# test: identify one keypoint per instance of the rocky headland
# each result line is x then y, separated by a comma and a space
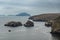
44, 17
56, 25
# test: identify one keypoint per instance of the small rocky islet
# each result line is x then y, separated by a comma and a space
29, 24
13, 24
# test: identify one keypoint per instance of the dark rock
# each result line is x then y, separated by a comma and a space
6, 25
48, 24
29, 24
55, 36
9, 30
55, 32
19, 23
13, 24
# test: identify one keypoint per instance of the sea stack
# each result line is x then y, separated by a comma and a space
13, 24
29, 24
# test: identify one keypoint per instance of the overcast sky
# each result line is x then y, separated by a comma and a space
32, 7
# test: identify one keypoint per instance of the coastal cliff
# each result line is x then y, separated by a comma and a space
56, 25
44, 17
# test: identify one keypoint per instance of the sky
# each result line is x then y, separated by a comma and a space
33, 7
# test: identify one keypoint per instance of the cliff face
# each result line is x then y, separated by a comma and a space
45, 17
56, 25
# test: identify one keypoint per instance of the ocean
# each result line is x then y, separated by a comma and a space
38, 32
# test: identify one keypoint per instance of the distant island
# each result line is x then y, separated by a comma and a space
44, 17
23, 14
19, 14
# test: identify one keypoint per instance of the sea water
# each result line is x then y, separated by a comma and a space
38, 32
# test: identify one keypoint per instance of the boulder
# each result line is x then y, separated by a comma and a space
13, 24
29, 24
48, 24
9, 30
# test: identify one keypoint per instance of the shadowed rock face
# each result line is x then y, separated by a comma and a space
29, 24
13, 24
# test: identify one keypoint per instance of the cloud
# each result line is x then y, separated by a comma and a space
31, 6
29, 2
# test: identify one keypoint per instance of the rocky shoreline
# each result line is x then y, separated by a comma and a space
53, 20
44, 17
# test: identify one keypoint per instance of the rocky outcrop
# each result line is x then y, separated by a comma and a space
13, 24
29, 24
48, 24
44, 17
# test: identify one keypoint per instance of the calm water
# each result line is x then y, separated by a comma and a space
38, 32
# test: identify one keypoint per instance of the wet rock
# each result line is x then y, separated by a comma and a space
29, 24
13, 24
9, 30
48, 24
19, 23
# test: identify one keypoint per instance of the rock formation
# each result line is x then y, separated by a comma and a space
29, 24
48, 24
56, 26
13, 24
44, 17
